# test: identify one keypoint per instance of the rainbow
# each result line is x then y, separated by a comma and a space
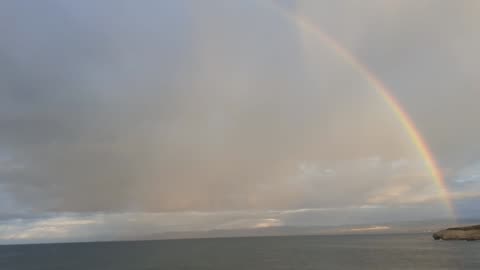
383, 91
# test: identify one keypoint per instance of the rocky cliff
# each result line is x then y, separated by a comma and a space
470, 233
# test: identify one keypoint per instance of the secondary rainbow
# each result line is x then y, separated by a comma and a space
382, 90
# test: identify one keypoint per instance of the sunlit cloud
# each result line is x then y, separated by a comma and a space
370, 229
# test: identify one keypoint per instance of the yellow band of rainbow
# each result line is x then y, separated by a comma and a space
382, 90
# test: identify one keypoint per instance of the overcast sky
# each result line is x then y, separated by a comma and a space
129, 118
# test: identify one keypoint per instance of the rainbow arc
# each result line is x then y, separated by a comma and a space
382, 90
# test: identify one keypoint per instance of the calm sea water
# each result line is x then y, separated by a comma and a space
299, 252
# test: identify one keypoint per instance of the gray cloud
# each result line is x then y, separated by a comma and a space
178, 106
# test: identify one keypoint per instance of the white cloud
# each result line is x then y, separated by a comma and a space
56, 228
369, 229
268, 222
469, 174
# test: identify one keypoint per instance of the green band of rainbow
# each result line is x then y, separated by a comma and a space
382, 90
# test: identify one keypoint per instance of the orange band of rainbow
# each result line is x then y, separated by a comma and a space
405, 120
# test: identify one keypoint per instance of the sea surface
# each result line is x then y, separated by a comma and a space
295, 252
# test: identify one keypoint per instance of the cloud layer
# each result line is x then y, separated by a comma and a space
174, 107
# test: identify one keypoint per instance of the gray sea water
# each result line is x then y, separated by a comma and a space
297, 252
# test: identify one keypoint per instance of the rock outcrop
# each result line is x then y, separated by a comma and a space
469, 233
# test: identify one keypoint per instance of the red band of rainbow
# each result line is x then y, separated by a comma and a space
412, 131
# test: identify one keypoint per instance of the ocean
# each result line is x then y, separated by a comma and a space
295, 252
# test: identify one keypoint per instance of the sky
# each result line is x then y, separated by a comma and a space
123, 119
